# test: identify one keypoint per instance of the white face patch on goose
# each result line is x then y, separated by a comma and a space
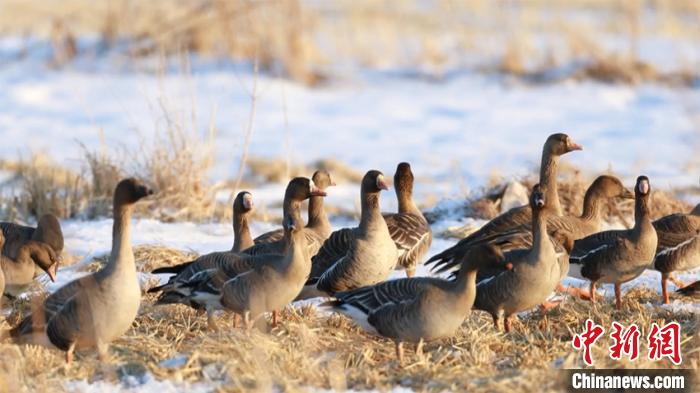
380, 182
247, 201
644, 187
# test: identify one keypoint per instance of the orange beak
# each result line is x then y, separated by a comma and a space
315, 191
51, 271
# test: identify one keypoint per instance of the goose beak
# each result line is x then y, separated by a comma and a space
382, 184
509, 266
51, 272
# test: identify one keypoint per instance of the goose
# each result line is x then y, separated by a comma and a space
317, 223
555, 146
316, 232
371, 253
19, 271
618, 256
48, 230
242, 209
678, 248
408, 228
298, 189
96, 309
535, 272
418, 309
272, 285
565, 229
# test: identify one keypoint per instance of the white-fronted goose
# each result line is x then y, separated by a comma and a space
317, 220
242, 209
19, 271
563, 229
555, 146
678, 248
408, 228
421, 308
298, 189
48, 230
96, 309
618, 256
371, 254
272, 285
534, 276
315, 233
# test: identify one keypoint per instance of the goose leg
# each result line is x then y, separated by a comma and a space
246, 320
592, 290
274, 318
506, 323
549, 304
399, 352
678, 283
495, 320
69, 353
236, 320
103, 352
574, 291
618, 296
664, 288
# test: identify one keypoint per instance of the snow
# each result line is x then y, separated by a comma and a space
456, 134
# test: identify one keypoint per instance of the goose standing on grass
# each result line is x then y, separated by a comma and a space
421, 308
370, 255
565, 229
317, 230
408, 228
618, 256
318, 224
298, 190
555, 146
242, 209
535, 272
271, 286
678, 248
96, 309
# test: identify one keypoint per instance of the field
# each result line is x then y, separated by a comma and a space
202, 99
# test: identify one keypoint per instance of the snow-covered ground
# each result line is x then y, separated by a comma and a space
456, 134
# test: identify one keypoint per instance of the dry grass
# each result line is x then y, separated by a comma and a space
311, 348
305, 39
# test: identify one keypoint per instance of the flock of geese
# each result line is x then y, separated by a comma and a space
512, 264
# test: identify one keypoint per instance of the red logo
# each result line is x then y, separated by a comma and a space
586, 339
625, 341
665, 342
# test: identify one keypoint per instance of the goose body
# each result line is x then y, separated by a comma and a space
535, 273
516, 218
271, 285
678, 247
618, 256
415, 309
371, 254
96, 309
19, 271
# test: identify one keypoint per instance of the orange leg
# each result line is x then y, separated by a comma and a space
592, 291
495, 320
548, 305
236, 320
618, 296
274, 318
664, 288
506, 323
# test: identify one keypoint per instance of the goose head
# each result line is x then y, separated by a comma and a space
322, 179
374, 182
560, 144
301, 188
130, 191
537, 200
643, 187
403, 179
48, 230
42, 255
243, 203
611, 187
